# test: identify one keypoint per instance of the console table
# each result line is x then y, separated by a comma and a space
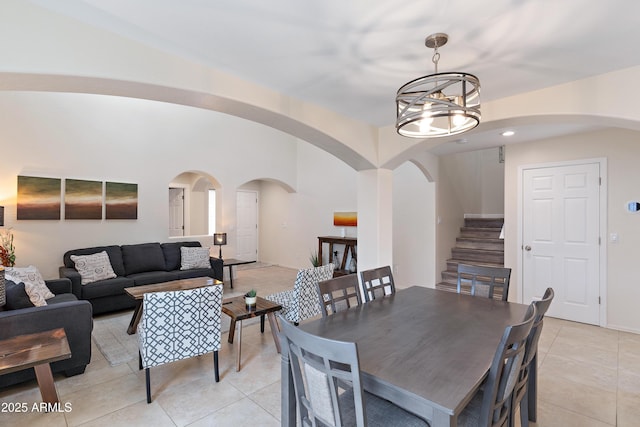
349, 243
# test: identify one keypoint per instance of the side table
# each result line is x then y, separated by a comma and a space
230, 263
36, 351
239, 311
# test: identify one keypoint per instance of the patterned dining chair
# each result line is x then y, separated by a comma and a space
328, 387
377, 282
339, 293
490, 407
527, 381
301, 302
178, 325
484, 280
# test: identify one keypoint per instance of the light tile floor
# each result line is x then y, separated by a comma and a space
588, 376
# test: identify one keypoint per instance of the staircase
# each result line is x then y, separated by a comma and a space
479, 243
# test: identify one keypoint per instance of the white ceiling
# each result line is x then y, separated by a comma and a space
351, 56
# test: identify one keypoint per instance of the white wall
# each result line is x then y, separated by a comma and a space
413, 227
118, 139
622, 151
290, 223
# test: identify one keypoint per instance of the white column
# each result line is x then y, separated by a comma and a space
375, 226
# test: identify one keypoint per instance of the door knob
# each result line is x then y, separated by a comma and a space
527, 248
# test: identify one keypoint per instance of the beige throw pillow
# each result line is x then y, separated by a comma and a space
194, 258
93, 267
34, 284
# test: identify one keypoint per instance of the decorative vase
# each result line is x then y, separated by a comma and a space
352, 265
250, 301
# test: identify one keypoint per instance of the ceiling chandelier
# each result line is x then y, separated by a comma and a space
439, 104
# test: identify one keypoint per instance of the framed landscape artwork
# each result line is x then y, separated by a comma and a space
82, 199
38, 198
345, 219
121, 200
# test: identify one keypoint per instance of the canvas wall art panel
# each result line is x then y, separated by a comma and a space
121, 200
345, 219
82, 199
39, 198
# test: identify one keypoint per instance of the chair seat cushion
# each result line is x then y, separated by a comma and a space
470, 415
380, 412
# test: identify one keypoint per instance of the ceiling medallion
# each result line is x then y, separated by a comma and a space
439, 104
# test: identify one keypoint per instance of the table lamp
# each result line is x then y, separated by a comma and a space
220, 239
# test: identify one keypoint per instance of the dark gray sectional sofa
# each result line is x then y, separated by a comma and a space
64, 310
134, 265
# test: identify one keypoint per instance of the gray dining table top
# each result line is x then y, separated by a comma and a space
424, 349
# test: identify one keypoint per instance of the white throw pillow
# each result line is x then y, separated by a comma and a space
34, 284
93, 267
194, 258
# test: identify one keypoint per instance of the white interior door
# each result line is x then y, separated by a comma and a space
176, 212
247, 223
560, 239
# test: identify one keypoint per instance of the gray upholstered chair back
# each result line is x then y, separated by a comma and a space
484, 281
320, 368
377, 283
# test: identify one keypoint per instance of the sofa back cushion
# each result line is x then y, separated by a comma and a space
142, 258
172, 257
114, 252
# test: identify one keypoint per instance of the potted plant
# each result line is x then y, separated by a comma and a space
250, 297
313, 258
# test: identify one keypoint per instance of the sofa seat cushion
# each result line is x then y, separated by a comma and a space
190, 274
171, 251
150, 277
61, 298
142, 258
106, 288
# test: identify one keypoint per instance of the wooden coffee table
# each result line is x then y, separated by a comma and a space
137, 293
238, 311
36, 351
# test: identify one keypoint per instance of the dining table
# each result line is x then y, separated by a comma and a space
425, 350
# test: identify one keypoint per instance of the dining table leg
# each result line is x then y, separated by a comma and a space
442, 419
135, 319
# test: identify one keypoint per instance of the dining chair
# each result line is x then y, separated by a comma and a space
328, 387
177, 325
527, 383
484, 280
301, 302
339, 293
490, 407
377, 282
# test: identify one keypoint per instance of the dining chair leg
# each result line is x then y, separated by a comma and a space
215, 366
524, 410
148, 381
